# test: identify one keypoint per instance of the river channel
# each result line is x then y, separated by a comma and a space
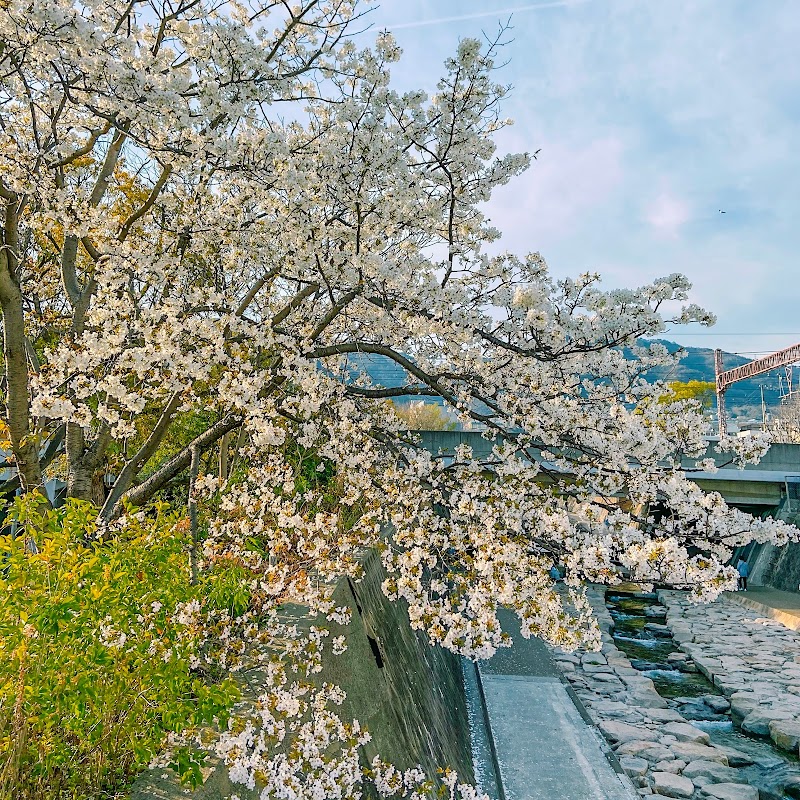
639, 631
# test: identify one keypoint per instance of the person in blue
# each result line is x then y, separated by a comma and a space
743, 568
555, 574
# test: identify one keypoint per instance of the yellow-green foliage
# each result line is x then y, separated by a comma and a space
422, 416
702, 391
94, 664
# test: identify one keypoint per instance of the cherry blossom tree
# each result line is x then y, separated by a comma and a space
210, 209
174, 245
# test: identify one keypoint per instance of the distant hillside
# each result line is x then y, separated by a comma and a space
742, 399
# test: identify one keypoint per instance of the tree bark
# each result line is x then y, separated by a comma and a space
142, 456
79, 478
83, 456
18, 407
99, 491
142, 493
83, 461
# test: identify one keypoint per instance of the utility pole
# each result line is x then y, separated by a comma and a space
781, 358
723, 426
763, 410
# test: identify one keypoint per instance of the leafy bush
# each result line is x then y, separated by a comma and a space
105, 648
422, 416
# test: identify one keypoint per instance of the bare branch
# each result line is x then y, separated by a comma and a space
126, 226
142, 493
141, 457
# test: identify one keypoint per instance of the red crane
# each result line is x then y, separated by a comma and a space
725, 379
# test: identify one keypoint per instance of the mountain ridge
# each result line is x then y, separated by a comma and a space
743, 399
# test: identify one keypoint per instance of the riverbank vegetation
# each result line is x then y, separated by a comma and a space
106, 647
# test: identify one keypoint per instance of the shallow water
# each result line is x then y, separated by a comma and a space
651, 650
672, 683
771, 768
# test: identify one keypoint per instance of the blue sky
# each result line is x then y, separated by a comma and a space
651, 116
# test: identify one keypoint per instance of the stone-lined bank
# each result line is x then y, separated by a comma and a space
663, 753
753, 661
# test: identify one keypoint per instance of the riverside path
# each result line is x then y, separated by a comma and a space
781, 606
544, 745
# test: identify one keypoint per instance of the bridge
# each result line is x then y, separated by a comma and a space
726, 378
763, 488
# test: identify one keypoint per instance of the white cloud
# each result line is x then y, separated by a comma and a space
651, 117
667, 214
502, 14
559, 192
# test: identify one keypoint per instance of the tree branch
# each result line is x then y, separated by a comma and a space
297, 300
126, 226
142, 493
141, 457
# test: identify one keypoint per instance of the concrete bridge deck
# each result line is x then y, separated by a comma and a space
758, 487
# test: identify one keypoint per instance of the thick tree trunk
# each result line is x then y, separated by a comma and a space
99, 490
83, 462
79, 482
84, 482
79, 478
18, 407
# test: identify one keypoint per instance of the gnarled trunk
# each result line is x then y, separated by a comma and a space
18, 406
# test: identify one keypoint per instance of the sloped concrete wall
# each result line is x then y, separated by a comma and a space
760, 562
408, 694
780, 567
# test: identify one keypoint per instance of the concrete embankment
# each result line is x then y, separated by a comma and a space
408, 694
784, 607
544, 747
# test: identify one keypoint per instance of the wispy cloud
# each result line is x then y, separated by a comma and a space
500, 12
667, 214
651, 117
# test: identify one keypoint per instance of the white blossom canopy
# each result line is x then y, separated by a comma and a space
213, 208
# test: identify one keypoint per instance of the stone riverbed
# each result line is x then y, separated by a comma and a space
697, 701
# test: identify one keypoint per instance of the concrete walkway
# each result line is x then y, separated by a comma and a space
773, 603
545, 748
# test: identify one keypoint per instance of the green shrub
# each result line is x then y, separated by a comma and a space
105, 648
